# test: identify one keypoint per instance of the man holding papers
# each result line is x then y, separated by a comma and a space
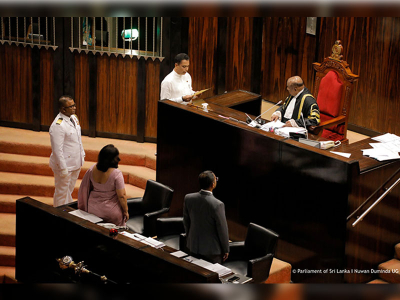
177, 85
299, 102
205, 222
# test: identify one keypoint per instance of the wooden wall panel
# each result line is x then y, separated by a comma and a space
371, 47
152, 96
116, 95
286, 51
82, 89
238, 53
203, 34
46, 87
16, 84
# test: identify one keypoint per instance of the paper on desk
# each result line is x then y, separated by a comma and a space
220, 269
272, 124
179, 254
202, 263
342, 154
285, 131
388, 137
85, 215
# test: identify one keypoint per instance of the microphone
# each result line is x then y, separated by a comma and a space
305, 127
280, 101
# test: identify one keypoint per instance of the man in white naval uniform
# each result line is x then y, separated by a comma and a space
67, 155
177, 85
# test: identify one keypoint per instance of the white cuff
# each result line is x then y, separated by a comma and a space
293, 123
278, 114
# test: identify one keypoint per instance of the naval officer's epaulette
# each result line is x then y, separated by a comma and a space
59, 121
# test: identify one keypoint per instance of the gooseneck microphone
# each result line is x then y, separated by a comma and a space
305, 127
280, 101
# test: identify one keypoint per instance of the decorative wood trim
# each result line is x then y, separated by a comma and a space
92, 94
141, 100
256, 55
36, 105
221, 55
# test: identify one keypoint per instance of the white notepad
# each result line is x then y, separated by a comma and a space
85, 215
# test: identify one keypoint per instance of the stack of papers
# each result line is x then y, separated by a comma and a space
145, 240
220, 269
85, 215
270, 126
285, 131
387, 149
179, 254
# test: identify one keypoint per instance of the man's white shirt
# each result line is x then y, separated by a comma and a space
175, 86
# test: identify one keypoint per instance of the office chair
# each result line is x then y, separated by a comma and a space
253, 257
169, 230
143, 212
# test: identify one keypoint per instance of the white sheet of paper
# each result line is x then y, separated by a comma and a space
85, 215
179, 254
342, 154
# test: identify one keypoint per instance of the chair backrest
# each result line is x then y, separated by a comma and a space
333, 86
259, 241
156, 196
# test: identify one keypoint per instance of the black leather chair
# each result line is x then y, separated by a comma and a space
253, 257
169, 230
143, 212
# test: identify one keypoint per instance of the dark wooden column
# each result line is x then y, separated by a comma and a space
141, 100
58, 62
36, 107
92, 94
256, 55
69, 59
221, 55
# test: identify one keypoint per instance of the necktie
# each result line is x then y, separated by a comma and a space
72, 120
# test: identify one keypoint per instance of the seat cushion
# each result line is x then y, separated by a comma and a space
329, 94
237, 266
171, 240
135, 223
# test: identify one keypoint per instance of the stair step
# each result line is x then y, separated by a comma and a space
8, 202
7, 256
7, 275
132, 153
39, 185
38, 165
7, 229
378, 281
393, 271
280, 272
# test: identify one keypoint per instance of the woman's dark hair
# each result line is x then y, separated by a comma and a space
206, 179
108, 158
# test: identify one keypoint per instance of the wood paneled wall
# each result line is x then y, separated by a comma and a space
82, 89
15, 84
202, 45
238, 53
286, 51
371, 47
221, 51
46, 87
116, 95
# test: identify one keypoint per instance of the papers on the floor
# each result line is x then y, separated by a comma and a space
342, 154
272, 125
85, 215
285, 131
179, 254
145, 240
387, 149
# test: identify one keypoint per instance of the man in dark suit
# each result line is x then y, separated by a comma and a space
205, 222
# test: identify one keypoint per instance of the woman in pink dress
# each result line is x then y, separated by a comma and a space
102, 191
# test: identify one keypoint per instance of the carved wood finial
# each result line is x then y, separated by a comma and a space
337, 50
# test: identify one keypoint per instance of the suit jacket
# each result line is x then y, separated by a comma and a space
309, 109
205, 224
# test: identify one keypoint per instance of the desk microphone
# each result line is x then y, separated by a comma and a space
280, 101
305, 127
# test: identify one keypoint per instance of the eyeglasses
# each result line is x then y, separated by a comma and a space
216, 178
73, 105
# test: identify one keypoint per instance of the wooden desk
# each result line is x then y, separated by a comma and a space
45, 233
302, 193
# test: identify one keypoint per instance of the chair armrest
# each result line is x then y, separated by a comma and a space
169, 226
149, 221
259, 268
236, 251
135, 206
327, 124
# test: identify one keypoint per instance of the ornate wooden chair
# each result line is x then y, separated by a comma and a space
333, 90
